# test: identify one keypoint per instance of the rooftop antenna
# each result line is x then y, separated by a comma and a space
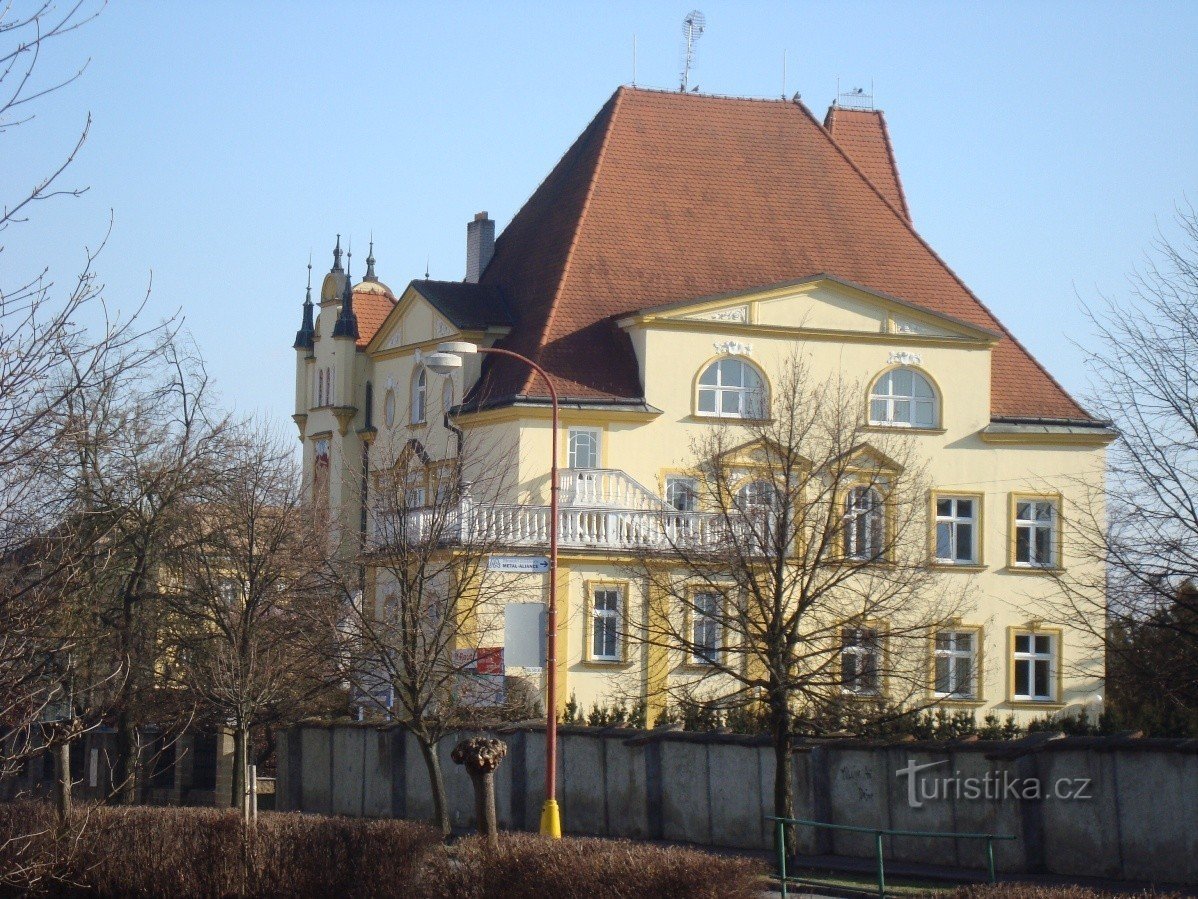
783, 74
634, 60
693, 27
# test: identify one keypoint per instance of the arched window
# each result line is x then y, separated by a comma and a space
864, 524
731, 388
419, 395
905, 398
320, 387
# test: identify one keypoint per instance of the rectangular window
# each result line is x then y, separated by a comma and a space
956, 664
682, 493
1036, 533
1035, 667
860, 657
956, 530
583, 448
705, 628
605, 625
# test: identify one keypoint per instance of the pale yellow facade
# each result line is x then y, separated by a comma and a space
842, 332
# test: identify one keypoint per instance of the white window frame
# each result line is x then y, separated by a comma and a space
953, 520
1028, 660
892, 401
750, 394
1035, 526
864, 525
687, 487
705, 631
572, 436
861, 643
605, 623
419, 395
950, 654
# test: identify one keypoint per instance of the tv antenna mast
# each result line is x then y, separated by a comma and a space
693, 27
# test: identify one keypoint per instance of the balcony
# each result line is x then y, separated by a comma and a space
600, 509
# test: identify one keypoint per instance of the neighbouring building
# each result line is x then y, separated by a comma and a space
682, 247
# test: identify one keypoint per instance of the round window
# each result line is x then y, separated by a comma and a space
389, 408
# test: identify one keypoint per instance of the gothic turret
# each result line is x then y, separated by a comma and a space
304, 337
347, 322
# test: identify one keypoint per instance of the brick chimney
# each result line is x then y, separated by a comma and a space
480, 246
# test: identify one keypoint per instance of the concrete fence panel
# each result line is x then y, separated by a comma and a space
1136, 817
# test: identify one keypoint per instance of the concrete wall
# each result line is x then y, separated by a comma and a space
1139, 820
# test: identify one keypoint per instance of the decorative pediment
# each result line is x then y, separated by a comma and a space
819, 306
413, 321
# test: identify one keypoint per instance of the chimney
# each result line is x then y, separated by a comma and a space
480, 246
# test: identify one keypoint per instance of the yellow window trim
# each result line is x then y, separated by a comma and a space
1058, 565
979, 527
591, 586
715, 416
883, 629
1058, 655
937, 428
688, 624
979, 678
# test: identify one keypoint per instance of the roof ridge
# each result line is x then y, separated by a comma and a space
898, 181
582, 214
910, 226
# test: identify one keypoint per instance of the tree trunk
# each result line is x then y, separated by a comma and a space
783, 768
127, 749
437, 783
62, 780
241, 798
484, 806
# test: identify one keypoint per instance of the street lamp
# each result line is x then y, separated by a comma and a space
446, 360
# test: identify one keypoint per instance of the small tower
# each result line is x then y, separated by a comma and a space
370, 275
347, 322
305, 343
304, 337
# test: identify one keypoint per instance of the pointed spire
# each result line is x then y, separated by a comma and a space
337, 256
370, 276
305, 336
347, 322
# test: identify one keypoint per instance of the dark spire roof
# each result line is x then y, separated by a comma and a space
347, 322
337, 256
370, 276
304, 337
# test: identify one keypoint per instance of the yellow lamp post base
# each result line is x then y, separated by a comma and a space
551, 821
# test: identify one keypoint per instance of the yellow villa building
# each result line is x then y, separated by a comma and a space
681, 251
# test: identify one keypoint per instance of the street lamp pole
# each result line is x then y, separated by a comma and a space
551, 824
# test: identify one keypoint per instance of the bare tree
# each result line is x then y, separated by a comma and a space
138, 451
239, 581
410, 654
801, 590
47, 358
1139, 530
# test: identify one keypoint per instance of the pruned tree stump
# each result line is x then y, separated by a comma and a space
481, 756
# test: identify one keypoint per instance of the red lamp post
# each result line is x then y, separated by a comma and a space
445, 360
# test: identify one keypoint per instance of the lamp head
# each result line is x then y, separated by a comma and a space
460, 347
443, 363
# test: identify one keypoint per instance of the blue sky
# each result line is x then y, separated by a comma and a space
1041, 145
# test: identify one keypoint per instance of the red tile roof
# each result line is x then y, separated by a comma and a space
669, 196
863, 136
372, 303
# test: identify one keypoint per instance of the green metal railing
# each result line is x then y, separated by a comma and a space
878, 834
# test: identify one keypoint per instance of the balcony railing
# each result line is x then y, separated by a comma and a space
521, 526
601, 509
